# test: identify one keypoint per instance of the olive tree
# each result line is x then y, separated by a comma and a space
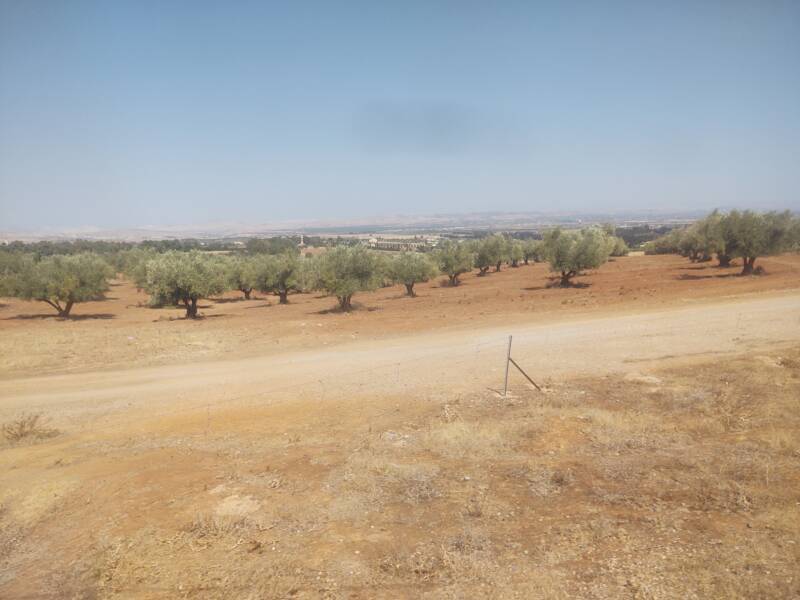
185, 277
279, 274
531, 250
133, 264
570, 252
344, 270
454, 259
665, 244
409, 268
60, 281
617, 246
715, 235
694, 244
241, 274
491, 252
751, 235
516, 252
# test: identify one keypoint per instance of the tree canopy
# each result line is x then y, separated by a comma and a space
241, 274
185, 277
409, 268
60, 281
453, 259
737, 234
344, 270
279, 274
531, 250
491, 251
570, 252
751, 235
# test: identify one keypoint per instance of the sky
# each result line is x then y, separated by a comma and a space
123, 114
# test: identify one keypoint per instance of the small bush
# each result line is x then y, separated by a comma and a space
27, 426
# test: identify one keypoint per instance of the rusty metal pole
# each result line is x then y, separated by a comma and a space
508, 360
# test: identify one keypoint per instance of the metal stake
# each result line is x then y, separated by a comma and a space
508, 360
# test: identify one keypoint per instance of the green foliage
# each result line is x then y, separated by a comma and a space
532, 250
275, 245
11, 265
133, 264
241, 274
409, 268
617, 246
60, 281
280, 274
570, 252
185, 277
516, 252
665, 244
344, 270
491, 251
738, 234
453, 259
750, 235
41, 249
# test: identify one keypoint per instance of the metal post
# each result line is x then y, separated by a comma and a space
508, 360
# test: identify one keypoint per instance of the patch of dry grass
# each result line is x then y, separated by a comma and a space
27, 426
601, 488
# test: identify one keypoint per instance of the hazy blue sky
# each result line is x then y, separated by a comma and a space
133, 113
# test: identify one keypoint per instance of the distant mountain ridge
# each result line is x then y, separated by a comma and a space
388, 223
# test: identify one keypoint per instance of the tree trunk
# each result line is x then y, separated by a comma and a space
749, 261
526, 260
453, 280
410, 290
497, 267
514, 263
565, 278
247, 293
191, 307
283, 296
724, 260
483, 271
345, 302
64, 312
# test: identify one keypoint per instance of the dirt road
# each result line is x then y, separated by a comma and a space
452, 361
157, 474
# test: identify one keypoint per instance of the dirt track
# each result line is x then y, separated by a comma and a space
443, 361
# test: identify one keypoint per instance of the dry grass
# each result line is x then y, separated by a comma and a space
600, 488
27, 426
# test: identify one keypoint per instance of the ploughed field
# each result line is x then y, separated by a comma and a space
274, 451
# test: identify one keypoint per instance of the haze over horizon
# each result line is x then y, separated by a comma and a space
120, 115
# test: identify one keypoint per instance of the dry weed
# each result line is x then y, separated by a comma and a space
28, 426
